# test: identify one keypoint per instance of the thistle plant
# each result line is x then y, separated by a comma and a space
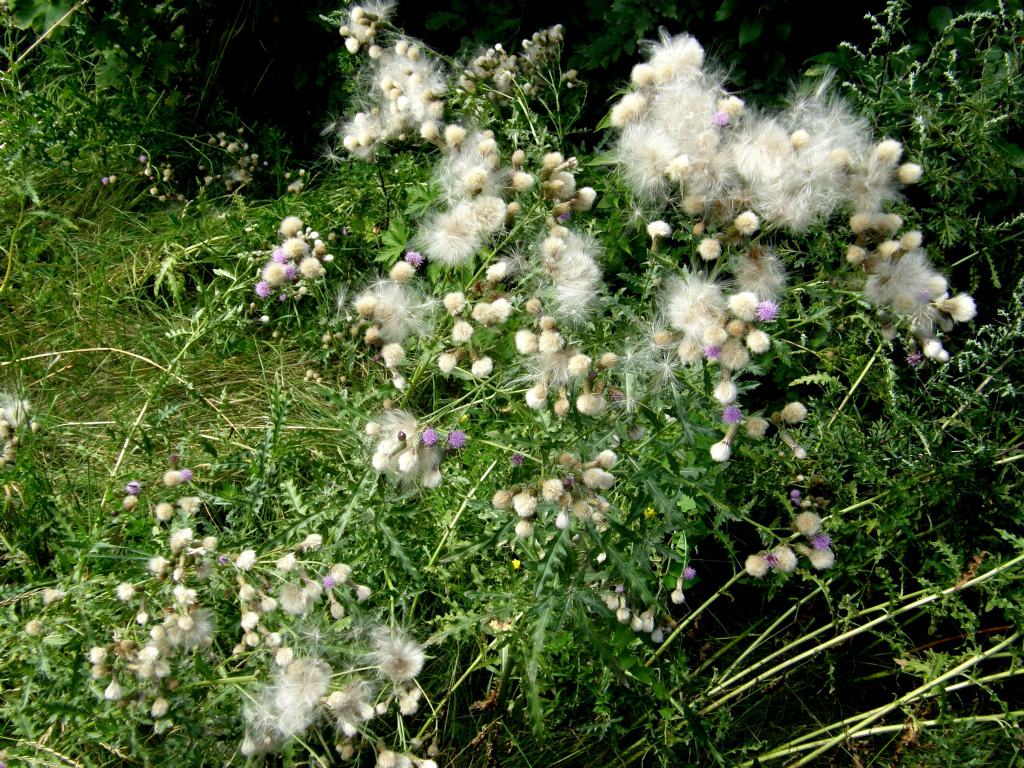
601, 452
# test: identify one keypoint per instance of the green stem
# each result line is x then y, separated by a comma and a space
690, 619
880, 729
838, 639
935, 691
827, 744
448, 531
860, 378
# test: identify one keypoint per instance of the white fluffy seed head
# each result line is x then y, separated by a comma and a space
756, 427
658, 229
462, 331
793, 413
628, 108
447, 361
807, 523
536, 396
785, 559
526, 341
888, 151
960, 307
743, 305
821, 559
393, 355
709, 249
756, 566
590, 404
482, 368
725, 392
454, 135
290, 226
758, 342
579, 365
584, 199
552, 489
454, 302
747, 223
402, 271
909, 173
721, 451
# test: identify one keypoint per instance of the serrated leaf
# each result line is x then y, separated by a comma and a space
822, 378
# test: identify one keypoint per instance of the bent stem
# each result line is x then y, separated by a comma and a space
827, 744
690, 619
808, 738
838, 639
880, 729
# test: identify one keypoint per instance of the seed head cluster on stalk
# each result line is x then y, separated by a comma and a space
746, 176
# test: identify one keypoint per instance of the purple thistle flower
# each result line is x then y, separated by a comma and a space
186, 475
262, 289
133, 488
722, 119
456, 439
517, 459
771, 559
619, 589
766, 311
143, 158
105, 180
732, 415
689, 573
279, 256
795, 495
821, 541
282, 297
329, 582
914, 359
415, 258
223, 559
430, 437
712, 352
564, 217
568, 482
290, 273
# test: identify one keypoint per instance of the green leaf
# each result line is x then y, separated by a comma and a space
822, 378
939, 18
393, 241
750, 30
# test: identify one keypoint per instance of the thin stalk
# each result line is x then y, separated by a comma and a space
10, 247
764, 635
880, 729
829, 743
46, 34
929, 693
451, 527
838, 639
689, 619
853, 388
455, 686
